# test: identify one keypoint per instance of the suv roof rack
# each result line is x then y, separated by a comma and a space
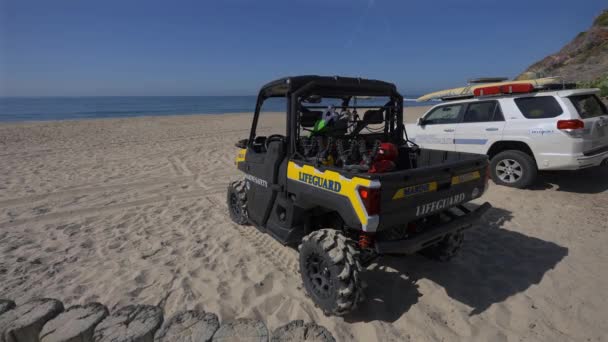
487, 80
455, 98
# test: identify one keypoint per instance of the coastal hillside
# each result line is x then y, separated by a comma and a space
583, 60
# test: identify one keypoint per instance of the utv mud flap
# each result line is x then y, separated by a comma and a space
433, 235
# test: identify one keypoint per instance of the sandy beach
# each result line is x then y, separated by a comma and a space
133, 210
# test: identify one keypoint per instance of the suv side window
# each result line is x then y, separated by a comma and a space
539, 107
483, 111
444, 115
498, 113
588, 106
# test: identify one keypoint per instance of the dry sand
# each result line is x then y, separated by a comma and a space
133, 210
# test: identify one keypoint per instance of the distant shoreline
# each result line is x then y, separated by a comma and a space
410, 116
26, 109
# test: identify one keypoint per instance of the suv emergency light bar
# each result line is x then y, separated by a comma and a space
509, 88
515, 88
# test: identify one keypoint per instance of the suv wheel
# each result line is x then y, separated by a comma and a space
237, 202
445, 249
330, 269
513, 168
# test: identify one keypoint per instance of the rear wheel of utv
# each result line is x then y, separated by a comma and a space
445, 249
237, 202
513, 168
330, 269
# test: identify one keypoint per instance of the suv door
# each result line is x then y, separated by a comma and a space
482, 124
436, 129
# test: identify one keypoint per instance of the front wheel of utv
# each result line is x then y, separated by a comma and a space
237, 202
445, 249
330, 270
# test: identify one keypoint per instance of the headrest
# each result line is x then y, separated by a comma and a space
309, 118
374, 116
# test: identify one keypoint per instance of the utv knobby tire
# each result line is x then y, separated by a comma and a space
237, 202
526, 164
330, 269
445, 249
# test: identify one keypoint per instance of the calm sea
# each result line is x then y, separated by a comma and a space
65, 108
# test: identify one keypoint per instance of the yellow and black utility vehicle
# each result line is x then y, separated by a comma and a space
344, 184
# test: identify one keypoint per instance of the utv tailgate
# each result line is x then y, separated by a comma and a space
442, 180
432, 235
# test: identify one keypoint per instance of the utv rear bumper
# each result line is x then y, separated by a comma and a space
433, 235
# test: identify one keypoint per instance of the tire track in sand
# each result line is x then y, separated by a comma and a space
88, 190
178, 165
113, 207
282, 257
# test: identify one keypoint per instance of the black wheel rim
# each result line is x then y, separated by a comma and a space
234, 205
319, 275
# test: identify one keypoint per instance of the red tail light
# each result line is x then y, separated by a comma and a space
370, 199
570, 124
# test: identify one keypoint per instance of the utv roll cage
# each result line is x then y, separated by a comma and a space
297, 89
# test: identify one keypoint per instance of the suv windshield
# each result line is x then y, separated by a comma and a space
588, 106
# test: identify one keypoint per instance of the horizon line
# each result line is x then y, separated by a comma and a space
82, 96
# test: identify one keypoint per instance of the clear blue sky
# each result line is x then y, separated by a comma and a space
231, 47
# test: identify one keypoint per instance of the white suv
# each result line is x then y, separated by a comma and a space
521, 133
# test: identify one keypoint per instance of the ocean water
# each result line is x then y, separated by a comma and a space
14, 109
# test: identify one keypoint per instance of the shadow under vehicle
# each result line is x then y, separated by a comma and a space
493, 265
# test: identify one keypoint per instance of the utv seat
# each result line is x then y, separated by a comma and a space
308, 118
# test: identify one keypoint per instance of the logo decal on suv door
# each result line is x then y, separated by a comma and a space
541, 131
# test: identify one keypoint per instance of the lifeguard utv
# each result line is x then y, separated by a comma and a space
340, 218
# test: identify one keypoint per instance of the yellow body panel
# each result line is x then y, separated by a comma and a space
333, 182
468, 90
240, 156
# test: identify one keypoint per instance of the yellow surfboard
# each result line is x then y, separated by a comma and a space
468, 90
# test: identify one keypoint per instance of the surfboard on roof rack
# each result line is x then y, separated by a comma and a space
469, 90
487, 80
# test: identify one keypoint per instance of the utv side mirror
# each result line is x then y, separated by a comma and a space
242, 143
420, 122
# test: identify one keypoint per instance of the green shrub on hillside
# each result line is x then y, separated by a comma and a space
602, 19
600, 82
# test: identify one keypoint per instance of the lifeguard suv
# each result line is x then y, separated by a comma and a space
522, 127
